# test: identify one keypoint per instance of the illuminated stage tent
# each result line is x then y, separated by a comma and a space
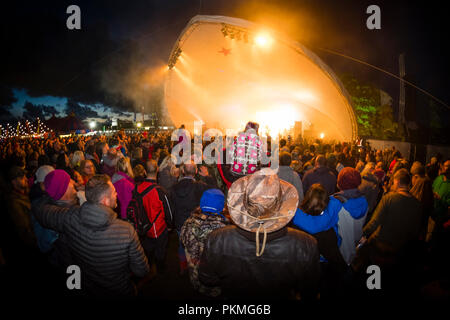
226, 71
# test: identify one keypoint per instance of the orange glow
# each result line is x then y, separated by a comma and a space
277, 120
263, 40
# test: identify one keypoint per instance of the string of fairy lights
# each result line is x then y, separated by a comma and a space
24, 129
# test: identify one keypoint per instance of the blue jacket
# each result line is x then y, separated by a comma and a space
45, 237
351, 219
356, 204
314, 224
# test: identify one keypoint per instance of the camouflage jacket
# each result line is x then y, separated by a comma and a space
193, 235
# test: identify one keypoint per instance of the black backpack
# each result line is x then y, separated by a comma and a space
136, 213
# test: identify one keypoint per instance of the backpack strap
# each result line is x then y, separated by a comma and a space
143, 194
147, 190
156, 218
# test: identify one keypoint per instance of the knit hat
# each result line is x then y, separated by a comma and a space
213, 200
56, 183
42, 172
348, 178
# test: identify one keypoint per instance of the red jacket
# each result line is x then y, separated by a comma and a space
154, 202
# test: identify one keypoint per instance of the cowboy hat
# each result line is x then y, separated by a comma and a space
262, 202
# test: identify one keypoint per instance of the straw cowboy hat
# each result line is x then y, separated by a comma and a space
261, 202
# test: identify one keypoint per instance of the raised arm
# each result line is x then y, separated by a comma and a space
51, 216
323, 222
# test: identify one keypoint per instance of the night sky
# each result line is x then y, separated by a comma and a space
48, 69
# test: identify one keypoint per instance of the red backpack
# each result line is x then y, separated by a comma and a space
136, 213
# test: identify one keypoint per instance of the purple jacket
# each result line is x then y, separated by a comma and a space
124, 187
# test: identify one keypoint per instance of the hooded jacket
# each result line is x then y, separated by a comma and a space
319, 227
124, 186
352, 217
105, 248
290, 262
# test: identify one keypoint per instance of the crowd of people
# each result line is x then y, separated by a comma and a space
307, 229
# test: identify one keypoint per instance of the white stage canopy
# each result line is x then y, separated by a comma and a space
226, 71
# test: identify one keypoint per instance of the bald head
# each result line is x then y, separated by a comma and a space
189, 169
402, 178
151, 166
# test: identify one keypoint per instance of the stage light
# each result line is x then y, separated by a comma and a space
322, 135
139, 124
92, 124
263, 40
173, 59
224, 30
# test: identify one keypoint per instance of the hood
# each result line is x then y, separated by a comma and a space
356, 203
96, 216
116, 177
350, 193
357, 207
119, 176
